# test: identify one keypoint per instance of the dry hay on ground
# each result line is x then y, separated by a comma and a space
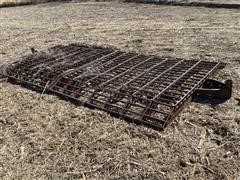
10, 3
47, 138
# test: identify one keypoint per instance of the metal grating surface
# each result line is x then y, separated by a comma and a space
146, 89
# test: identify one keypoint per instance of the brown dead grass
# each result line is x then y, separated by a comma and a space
11, 3
47, 138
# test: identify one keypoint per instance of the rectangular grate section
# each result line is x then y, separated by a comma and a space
150, 90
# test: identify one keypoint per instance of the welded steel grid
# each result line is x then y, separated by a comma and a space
146, 89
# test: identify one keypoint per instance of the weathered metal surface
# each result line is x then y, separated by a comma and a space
150, 90
214, 90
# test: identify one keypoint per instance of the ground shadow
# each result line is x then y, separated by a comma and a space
185, 3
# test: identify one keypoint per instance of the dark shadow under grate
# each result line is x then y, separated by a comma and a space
146, 89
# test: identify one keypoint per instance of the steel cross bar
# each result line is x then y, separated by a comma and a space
90, 63
63, 57
49, 60
112, 96
82, 58
196, 85
128, 104
82, 83
25, 58
157, 77
181, 101
112, 68
76, 78
59, 59
125, 84
97, 89
124, 72
71, 70
166, 88
149, 69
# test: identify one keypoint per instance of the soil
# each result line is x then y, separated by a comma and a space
43, 137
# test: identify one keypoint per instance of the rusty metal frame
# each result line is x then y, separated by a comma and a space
214, 91
149, 90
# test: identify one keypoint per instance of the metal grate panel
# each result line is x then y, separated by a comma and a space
146, 89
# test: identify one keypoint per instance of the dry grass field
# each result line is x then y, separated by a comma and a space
15, 1
43, 137
10, 3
